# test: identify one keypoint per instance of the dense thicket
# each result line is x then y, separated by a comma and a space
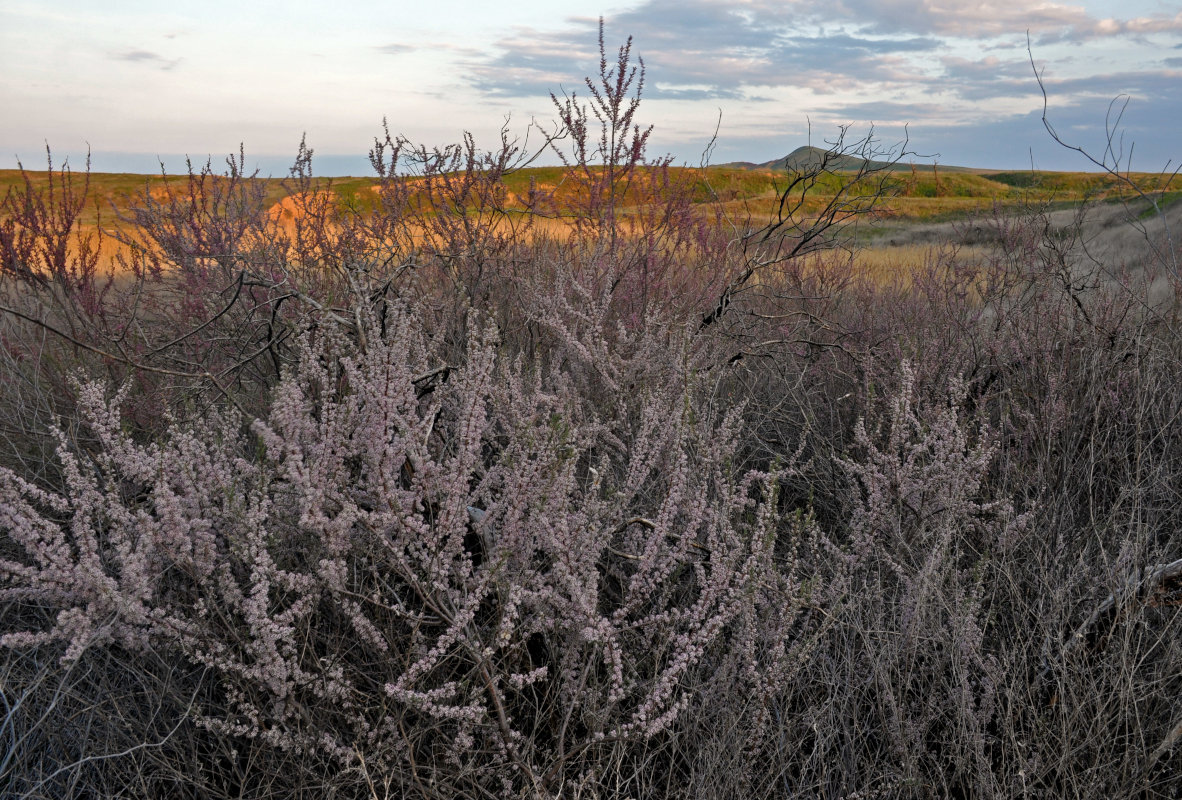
591, 494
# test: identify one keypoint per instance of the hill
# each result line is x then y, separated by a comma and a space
808, 156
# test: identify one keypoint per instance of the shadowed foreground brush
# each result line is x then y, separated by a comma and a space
440, 579
411, 563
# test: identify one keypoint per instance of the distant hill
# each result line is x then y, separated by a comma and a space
803, 157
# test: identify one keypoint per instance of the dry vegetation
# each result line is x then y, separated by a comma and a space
922, 205
606, 480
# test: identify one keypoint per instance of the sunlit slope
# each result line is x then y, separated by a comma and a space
743, 194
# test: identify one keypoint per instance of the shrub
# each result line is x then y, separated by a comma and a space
411, 562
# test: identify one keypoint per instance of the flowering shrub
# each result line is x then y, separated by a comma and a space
411, 561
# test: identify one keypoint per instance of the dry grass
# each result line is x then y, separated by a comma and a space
920, 196
895, 265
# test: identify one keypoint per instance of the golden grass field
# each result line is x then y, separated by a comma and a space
919, 195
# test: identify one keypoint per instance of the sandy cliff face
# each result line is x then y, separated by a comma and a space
303, 204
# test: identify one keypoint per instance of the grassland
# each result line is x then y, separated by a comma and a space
919, 209
923, 193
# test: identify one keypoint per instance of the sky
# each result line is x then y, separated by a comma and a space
140, 83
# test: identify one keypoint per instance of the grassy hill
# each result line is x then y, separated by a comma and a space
917, 192
808, 156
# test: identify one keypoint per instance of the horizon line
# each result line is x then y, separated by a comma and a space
341, 165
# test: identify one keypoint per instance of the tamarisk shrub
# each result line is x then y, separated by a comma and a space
634, 214
432, 574
49, 270
40, 243
976, 665
923, 539
896, 693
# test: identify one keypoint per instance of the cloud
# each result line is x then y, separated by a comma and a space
964, 18
395, 49
973, 19
884, 111
138, 55
952, 66
1159, 23
986, 77
699, 50
1157, 87
146, 57
720, 49
989, 68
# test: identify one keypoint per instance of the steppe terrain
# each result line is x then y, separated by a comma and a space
929, 211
